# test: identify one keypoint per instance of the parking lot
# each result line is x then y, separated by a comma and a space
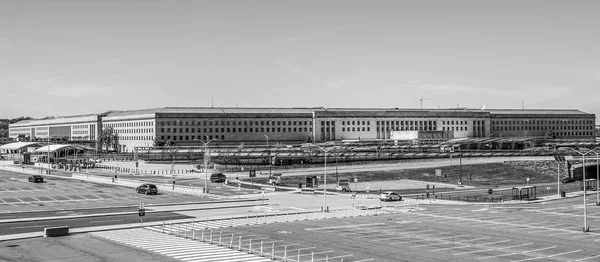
443, 235
17, 194
528, 232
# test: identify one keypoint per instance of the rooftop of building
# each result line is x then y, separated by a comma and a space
308, 110
536, 111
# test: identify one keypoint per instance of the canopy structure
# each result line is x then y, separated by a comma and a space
19, 145
52, 148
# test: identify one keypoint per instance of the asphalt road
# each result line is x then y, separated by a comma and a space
57, 193
33, 226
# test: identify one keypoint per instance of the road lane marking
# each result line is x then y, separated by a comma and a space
485, 244
556, 234
584, 259
504, 255
102, 221
459, 242
28, 226
442, 242
349, 226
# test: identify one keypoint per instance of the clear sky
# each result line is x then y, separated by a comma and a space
77, 57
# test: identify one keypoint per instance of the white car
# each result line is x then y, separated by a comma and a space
390, 196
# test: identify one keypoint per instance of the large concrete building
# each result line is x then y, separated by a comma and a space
187, 125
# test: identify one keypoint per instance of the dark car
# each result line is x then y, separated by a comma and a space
147, 189
36, 179
217, 178
568, 180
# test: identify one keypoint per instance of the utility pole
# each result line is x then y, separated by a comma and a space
421, 99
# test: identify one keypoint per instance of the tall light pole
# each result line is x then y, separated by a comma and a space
585, 226
597, 177
325, 151
48, 151
268, 154
206, 161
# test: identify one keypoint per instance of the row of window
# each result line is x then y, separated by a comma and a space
191, 138
574, 133
458, 128
543, 122
129, 124
234, 123
135, 130
80, 132
356, 129
136, 138
80, 126
510, 128
407, 123
452, 122
356, 123
237, 129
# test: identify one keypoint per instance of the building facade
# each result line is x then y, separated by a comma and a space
74, 128
189, 125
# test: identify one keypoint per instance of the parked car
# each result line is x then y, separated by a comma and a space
147, 189
390, 196
217, 178
36, 179
568, 180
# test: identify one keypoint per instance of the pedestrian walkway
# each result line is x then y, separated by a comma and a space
195, 229
176, 247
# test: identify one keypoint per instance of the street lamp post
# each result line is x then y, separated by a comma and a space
48, 152
268, 155
325, 151
597, 177
585, 226
206, 161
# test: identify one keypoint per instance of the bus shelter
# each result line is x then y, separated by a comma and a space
589, 183
524, 193
312, 181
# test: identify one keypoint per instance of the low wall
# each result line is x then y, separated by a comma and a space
56, 231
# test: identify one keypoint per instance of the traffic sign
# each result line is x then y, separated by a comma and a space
142, 212
490, 191
438, 172
355, 180
252, 173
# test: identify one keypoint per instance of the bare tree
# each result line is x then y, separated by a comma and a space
109, 139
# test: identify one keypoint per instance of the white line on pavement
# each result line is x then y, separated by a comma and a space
28, 226
102, 221
587, 258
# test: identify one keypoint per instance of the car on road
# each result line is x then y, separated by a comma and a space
568, 180
390, 196
36, 179
147, 189
217, 178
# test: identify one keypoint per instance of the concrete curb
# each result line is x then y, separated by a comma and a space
6, 221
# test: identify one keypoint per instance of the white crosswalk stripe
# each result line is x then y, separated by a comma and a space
178, 248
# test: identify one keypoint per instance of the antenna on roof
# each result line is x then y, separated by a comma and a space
522, 104
212, 102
